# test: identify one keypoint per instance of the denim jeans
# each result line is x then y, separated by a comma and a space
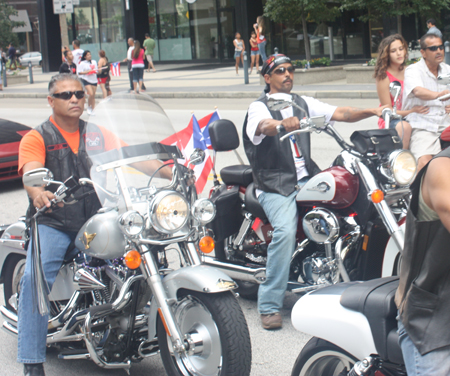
32, 326
436, 362
282, 214
262, 51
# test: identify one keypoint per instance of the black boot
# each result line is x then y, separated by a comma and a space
33, 369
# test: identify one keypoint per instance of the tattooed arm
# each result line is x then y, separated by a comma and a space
352, 114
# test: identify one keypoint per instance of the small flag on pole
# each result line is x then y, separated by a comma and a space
115, 69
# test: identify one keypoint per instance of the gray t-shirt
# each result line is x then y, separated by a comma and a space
434, 30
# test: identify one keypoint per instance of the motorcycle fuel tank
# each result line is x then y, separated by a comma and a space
334, 187
101, 236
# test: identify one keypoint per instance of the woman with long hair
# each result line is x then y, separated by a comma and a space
390, 66
260, 38
239, 49
254, 52
137, 65
87, 70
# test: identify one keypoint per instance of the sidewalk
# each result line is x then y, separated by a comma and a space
196, 81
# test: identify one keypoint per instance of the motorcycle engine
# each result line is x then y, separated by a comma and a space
321, 226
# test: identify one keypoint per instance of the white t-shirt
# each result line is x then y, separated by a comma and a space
77, 55
258, 111
84, 66
129, 52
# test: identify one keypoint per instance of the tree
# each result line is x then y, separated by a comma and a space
301, 11
6, 25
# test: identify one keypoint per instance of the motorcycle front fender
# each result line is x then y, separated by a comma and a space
12, 242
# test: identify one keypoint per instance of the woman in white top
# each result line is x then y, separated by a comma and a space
239, 49
87, 71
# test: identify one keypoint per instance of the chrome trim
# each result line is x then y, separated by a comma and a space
8, 315
242, 273
300, 248
10, 329
125, 293
74, 356
247, 222
340, 252
127, 161
167, 241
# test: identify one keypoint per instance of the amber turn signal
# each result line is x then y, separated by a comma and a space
206, 244
133, 259
377, 196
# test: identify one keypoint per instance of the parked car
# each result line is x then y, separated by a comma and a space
34, 57
11, 134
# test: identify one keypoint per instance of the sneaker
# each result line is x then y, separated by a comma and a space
33, 369
271, 321
89, 110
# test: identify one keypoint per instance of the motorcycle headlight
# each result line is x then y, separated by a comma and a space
400, 167
168, 212
204, 210
131, 223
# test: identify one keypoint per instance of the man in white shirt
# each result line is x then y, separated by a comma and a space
280, 169
432, 29
422, 88
128, 60
77, 51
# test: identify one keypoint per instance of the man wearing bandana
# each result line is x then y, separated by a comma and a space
280, 169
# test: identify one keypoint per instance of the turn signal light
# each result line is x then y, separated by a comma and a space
133, 259
206, 244
377, 196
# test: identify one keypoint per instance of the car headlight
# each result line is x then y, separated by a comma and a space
204, 210
168, 212
131, 223
400, 167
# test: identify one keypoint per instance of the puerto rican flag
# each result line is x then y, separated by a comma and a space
195, 135
115, 69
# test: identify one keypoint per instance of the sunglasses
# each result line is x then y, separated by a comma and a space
282, 70
434, 48
66, 95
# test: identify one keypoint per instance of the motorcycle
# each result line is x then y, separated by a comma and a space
138, 287
354, 330
350, 215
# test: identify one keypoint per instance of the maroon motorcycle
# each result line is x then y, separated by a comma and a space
350, 215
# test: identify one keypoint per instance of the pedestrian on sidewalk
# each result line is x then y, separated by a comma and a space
149, 46
68, 66
77, 51
103, 72
1, 69
63, 56
239, 49
261, 39
138, 67
87, 71
254, 52
128, 60
432, 29
12, 56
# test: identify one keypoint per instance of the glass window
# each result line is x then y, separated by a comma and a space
204, 24
86, 26
174, 39
153, 26
112, 29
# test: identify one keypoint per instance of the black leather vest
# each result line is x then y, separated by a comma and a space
272, 161
423, 295
63, 163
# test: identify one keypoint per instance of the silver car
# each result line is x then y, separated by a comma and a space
34, 57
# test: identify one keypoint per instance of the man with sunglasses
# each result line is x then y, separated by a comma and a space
60, 144
280, 170
422, 88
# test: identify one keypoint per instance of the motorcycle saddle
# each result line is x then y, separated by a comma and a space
375, 300
237, 175
252, 204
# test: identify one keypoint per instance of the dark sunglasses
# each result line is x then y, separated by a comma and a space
66, 95
282, 70
434, 48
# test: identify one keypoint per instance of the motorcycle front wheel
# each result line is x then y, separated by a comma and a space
322, 358
14, 269
217, 332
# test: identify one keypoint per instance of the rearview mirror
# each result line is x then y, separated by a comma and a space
444, 80
197, 157
39, 177
319, 121
279, 101
395, 88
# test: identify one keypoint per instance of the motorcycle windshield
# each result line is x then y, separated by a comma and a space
128, 140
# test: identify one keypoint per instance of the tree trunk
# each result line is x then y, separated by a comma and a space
399, 24
306, 38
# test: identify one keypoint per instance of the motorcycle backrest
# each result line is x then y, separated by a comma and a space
224, 136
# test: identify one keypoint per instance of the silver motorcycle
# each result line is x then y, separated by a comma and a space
137, 287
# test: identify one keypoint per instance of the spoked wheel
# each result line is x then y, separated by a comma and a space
216, 333
322, 358
14, 269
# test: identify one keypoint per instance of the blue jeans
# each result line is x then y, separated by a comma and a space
262, 51
32, 326
282, 214
436, 362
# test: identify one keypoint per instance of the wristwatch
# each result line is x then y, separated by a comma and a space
280, 128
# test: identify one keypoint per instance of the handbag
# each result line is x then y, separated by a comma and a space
376, 141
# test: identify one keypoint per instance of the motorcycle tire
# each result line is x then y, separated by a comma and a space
14, 269
219, 320
246, 290
322, 358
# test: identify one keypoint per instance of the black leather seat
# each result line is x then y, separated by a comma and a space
375, 299
237, 175
252, 204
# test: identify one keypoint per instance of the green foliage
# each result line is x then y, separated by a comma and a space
319, 62
373, 62
6, 25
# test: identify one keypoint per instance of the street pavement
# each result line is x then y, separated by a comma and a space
274, 352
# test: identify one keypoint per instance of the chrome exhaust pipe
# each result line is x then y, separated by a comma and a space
8, 315
74, 356
241, 273
10, 329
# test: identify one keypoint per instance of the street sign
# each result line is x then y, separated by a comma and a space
62, 6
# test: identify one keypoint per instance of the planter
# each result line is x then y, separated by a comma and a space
315, 75
357, 74
16, 79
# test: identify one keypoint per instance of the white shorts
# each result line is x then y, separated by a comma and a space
149, 58
424, 142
